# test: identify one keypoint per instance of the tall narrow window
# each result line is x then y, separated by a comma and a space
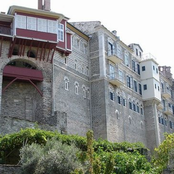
138, 69
133, 65
66, 83
135, 86
128, 82
111, 49
140, 90
84, 91
75, 65
111, 70
76, 87
60, 32
119, 99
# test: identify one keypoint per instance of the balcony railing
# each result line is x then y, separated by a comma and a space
5, 30
116, 79
167, 110
112, 56
148, 56
166, 93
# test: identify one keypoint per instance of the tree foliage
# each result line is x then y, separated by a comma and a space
164, 154
100, 157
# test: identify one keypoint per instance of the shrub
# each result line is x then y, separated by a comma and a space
52, 158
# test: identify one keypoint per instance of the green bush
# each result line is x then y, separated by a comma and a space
102, 156
52, 158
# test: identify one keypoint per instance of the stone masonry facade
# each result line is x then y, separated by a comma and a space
101, 85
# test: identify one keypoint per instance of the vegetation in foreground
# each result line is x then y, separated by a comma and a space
41, 152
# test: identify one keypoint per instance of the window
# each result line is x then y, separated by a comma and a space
120, 74
130, 105
111, 70
143, 68
141, 110
133, 65
136, 52
155, 86
170, 123
131, 82
66, 83
138, 109
124, 101
60, 32
88, 94
111, 49
119, 99
76, 87
134, 107
135, 86
138, 69
84, 91
75, 65
153, 67
126, 57
128, 82
145, 87
140, 90
87, 71
111, 95
157, 70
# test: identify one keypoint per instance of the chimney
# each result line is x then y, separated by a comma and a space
47, 5
40, 6
44, 5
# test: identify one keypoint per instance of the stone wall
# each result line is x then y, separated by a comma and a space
9, 169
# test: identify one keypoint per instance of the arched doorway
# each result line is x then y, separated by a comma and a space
21, 90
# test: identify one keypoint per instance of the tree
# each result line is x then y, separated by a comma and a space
164, 154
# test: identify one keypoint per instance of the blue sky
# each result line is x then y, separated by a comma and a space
146, 22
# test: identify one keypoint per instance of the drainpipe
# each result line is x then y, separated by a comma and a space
157, 134
1, 75
53, 89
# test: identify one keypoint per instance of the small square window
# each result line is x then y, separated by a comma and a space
143, 68
145, 87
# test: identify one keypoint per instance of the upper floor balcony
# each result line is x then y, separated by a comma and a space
116, 79
166, 92
167, 110
113, 56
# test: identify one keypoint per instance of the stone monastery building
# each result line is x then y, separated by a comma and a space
73, 77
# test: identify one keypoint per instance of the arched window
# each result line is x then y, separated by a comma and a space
117, 114
66, 83
84, 91
88, 94
75, 65
76, 88
111, 93
141, 124
130, 119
